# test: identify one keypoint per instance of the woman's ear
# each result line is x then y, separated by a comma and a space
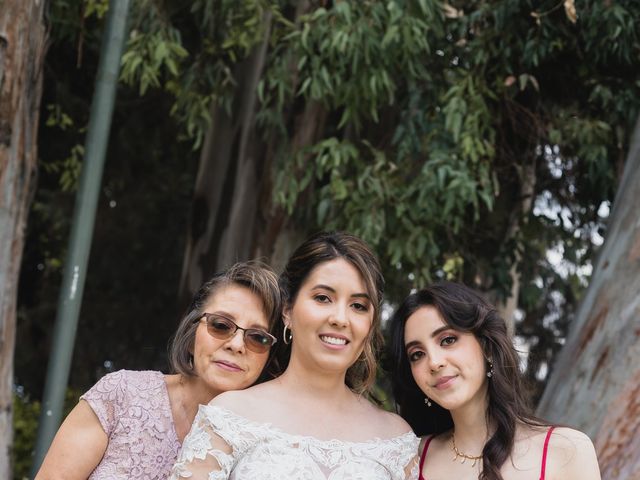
486, 349
286, 316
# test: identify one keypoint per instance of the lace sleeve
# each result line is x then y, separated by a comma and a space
212, 447
106, 398
408, 458
412, 470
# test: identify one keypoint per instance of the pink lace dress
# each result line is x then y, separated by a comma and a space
134, 410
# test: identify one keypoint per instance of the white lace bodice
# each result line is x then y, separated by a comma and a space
224, 445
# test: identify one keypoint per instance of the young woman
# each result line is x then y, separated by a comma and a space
313, 422
456, 381
132, 424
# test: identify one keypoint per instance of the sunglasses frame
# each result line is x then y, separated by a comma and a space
248, 343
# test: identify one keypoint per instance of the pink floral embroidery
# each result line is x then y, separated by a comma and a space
134, 410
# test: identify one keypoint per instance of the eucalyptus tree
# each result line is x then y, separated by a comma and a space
595, 383
480, 141
463, 140
22, 48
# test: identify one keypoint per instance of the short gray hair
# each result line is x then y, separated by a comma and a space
254, 275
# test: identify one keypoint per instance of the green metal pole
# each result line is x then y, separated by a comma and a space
84, 214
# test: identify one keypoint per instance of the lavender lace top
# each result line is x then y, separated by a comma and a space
134, 410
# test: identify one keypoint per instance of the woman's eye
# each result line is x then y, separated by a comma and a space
220, 325
361, 307
320, 297
448, 341
415, 356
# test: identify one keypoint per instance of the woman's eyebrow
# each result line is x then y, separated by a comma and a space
333, 290
324, 287
438, 331
361, 295
411, 344
435, 333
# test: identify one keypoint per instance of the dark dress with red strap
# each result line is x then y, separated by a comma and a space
542, 468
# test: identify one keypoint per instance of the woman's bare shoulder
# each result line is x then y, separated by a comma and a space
245, 402
571, 455
387, 424
567, 441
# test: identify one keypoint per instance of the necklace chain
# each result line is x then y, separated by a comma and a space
464, 456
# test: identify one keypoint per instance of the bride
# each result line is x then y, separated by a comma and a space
313, 422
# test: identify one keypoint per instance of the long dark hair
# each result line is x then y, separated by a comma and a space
324, 247
464, 310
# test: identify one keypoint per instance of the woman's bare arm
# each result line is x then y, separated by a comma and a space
77, 448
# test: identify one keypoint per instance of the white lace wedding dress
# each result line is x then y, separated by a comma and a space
224, 445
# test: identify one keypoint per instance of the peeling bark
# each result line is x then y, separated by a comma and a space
595, 383
22, 49
618, 440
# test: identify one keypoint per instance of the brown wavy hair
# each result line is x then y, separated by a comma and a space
324, 247
464, 310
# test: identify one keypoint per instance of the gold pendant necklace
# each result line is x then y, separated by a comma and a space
464, 456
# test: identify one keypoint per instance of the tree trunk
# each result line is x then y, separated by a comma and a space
236, 237
527, 177
226, 188
22, 49
232, 217
277, 235
595, 383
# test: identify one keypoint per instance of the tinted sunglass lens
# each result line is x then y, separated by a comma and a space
220, 327
258, 341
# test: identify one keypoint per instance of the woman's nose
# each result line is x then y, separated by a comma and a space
436, 361
236, 342
338, 316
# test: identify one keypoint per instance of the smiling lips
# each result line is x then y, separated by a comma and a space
444, 382
228, 366
334, 340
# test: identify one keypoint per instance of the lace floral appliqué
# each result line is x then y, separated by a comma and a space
135, 413
223, 445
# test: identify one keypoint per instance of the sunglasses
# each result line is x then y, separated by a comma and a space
223, 328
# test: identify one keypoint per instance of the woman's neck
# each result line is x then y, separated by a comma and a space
185, 396
314, 385
194, 392
471, 427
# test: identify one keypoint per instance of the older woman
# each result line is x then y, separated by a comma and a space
131, 424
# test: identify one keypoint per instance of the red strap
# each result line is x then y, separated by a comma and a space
424, 455
544, 453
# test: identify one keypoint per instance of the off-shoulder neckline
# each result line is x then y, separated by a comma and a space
294, 437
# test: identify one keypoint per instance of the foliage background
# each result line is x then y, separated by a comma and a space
475, 140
